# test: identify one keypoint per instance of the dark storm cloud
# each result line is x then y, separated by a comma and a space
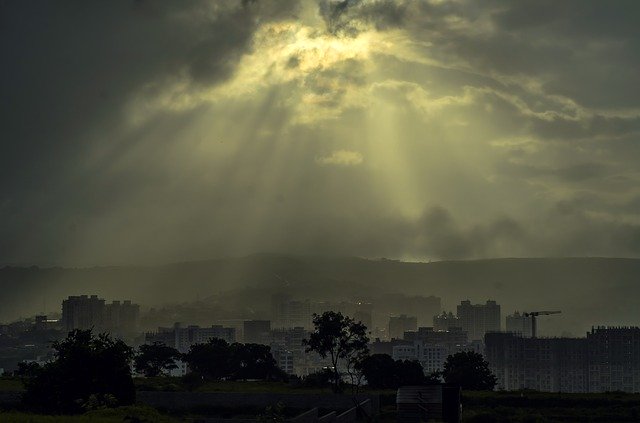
507, 128
71, 69
348, 17
574, 173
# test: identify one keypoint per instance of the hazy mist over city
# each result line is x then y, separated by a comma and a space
219, 152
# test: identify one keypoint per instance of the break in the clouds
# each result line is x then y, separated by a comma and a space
150, 131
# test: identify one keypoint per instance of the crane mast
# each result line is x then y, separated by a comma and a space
534, 315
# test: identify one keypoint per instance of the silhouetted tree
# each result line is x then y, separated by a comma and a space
254, 361
216, 360
469, 370
87, 371
383, 372
409, 373
380, 371
27, 370
433, 378
210, 360
341, 339
155, 359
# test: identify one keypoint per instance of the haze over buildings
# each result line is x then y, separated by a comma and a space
232, 167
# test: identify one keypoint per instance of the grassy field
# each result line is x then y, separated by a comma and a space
121, 414
501, 407
530, 407
176, 384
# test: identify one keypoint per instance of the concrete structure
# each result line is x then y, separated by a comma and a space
386, 347
121, 317
42, 323
453, 340
446, 321
257, 331
614, 359
519, 323
398, 325
182, 338
287, 343
608, 359
542, 364
83, 312
363, 312
478, 319
289, 313
430, 356
405, 352
90, 312
237, 324
284, 360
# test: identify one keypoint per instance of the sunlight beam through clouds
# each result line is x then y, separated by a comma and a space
422, 129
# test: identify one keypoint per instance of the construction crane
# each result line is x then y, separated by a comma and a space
533, 315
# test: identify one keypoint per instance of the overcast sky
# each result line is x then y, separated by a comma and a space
150, 131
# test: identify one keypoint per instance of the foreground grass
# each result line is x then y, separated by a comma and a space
500, 407
543, 407
120, 414
177, 384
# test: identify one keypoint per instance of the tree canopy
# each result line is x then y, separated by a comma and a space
156, 359
216, 359
383, 372
343, 340
469, 370
87, 370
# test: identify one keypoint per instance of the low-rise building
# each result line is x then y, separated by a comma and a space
181, 338
430, 356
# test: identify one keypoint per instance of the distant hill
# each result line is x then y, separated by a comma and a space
589, 291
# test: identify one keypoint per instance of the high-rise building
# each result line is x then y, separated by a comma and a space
608, 359
398, 325
614, 359
519, 323
257, 331
289, 313
121, 317
478, 319
542, 364
362, 312
287, 344
90, 312
446, 321
83, 312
